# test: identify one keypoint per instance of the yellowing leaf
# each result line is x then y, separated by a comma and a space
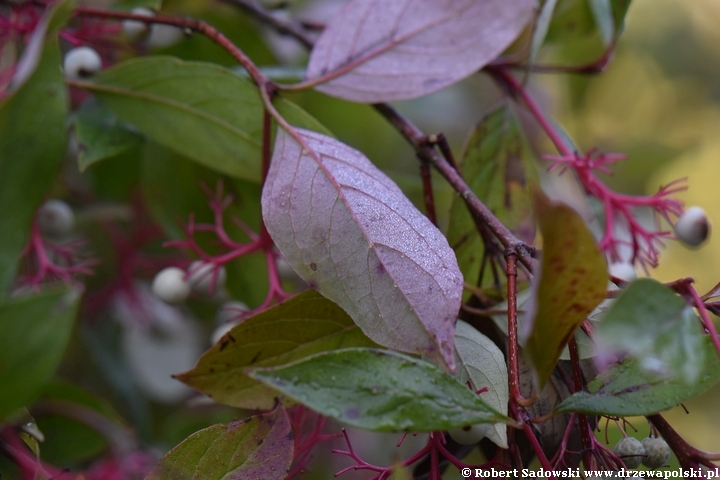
572, 282
304, 325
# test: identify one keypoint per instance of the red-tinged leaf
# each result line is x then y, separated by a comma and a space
381, 50
572, 282
256, 448
349, 232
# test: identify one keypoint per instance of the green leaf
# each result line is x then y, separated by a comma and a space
200, 110
653, 324
498, 166
32, 138
306, 324
627, 389
482, 363
619, 9
572, 282
86, 443
379, 390
101, 135
604, 19
256, 448
34, 331
572, 20
540, 29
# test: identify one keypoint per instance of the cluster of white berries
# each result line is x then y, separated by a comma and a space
155, 35
173, 284
653, 452
55, 218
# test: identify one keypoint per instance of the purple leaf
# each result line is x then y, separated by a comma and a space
351, 233
383, 50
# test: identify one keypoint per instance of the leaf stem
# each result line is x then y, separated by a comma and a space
583, 422
428, 196
477, 208
518, 91
187, 24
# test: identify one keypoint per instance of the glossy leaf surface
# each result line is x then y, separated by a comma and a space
653, 324
379, 51
34, 331
482, 363
256, 448
350, 232
628, 389
498, 166
572, 282
379, 390
32, 138
304, 325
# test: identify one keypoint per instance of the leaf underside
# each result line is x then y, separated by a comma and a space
350, 232
384, 51
482, 363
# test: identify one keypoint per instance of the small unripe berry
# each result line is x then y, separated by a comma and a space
228, 315
469, 434
201, 275
81, 62
163, 36
623, 270
631, 451
693, 227
657, 452
169, 285
134, 29
55, 218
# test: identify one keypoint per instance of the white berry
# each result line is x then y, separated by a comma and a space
623, 270
169, 285
657, 452
469, 434
693, 227
134, 29
55, 218
230, 312
163, 36
81, 62
631, 451
204, 278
